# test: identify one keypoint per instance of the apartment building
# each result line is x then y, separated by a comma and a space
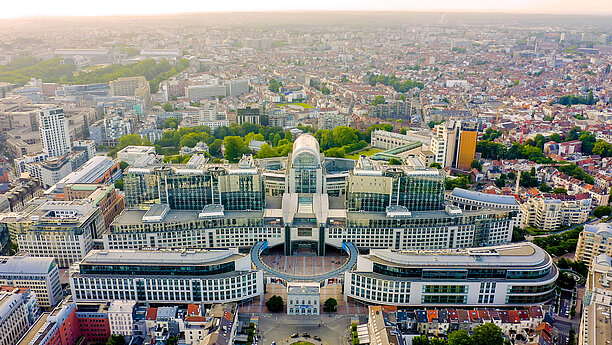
595, 323
594, 240
550, 214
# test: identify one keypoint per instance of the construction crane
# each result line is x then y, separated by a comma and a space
498, 109
537, 166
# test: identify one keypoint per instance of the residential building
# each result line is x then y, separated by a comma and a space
165, 276
54, 132
595, 323
121, 316
40, 275
93, 322
391, 110
332, 119
380, 329
303, 298
444, 143
594, 240
550, 214
514, 274
218, 326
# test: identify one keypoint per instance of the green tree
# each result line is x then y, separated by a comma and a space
215, 147
571, 337
171, 123
395, 161
235, 147
559, 190
435, 165
119, 184
378, 100
116, 339
420, 340
460, 337
437, 341
344, 135
168, 107
330, 305
476, 165
274, 85
487, 334
275, 304
173, 340
602, 211
556, 137
602, 148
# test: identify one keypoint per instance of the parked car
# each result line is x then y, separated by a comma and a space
305, 335
295, 335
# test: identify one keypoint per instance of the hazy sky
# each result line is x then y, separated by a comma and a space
27, 8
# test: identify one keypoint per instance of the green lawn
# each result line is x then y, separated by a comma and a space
368, 153
303, 105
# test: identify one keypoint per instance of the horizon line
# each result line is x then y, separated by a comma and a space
398, 11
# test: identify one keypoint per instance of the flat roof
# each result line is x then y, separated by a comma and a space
33, 331
484, 197
162, 257
25, 264
518, 255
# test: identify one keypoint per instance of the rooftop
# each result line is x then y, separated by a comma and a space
162, 257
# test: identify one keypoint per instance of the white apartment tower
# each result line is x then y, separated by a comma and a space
54, 132
444, 142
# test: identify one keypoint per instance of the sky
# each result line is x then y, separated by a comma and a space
35, 8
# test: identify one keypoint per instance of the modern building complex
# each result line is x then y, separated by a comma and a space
594, 240
595, 324
302, 200
54, 132
256, 115
165, 276
516, 274
40, 275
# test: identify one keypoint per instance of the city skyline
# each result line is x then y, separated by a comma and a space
73, 8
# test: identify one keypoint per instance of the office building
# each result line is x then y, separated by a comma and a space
131, 86
131, 154
236, 87
303, 298
304, 199
594, 240
550, 214
104, 196
165, 276
196, 93
595, 323
390, 140
18, 310
64, 230
93, 322
58, 327
54, 132
515, 274
99, 169
39, 274
252, 115
466, 141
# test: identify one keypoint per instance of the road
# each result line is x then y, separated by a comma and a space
591, 221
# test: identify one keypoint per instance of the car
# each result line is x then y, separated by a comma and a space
273, 343
305, 335
316, 337
295, 335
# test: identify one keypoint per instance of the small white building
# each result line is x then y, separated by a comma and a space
120, 317
131, 154
303, 299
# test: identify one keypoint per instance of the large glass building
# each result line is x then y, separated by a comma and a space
304, 199
515, 274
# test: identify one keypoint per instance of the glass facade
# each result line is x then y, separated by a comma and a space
418, 192
157, 270
306, 166
187, 192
